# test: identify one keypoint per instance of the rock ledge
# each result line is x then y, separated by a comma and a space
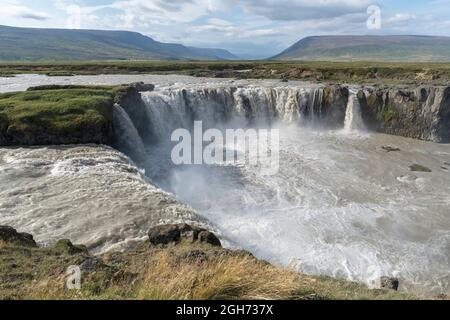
10, 235
175, 233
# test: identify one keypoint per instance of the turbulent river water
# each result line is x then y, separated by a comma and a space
340, 204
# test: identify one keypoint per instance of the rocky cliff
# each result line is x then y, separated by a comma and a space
421, 112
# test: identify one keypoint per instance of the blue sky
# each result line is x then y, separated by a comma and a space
252, 28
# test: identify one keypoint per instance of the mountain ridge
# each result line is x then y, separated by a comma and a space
373, 47
38, 44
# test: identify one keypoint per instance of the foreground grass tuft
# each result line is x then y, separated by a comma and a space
222, 278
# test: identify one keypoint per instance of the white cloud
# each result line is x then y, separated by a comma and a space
79, 16
304, 9
136, 13
164, 12
219, 22
401, 17
12, 8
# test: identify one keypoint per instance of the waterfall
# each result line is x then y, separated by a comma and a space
126, 136
353, 117
315, 108
168, 110
171, 108
231, 106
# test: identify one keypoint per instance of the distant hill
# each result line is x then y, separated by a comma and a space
17, 44
377, 48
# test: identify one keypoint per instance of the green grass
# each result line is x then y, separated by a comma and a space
65, 114
388, 115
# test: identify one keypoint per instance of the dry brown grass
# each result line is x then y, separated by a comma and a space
227, 277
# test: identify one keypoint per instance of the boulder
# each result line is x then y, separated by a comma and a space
390, 149
164, 234
208, 237
175, 233
141, 86
419, 168
66, 247
389, 283
92, 264
10, 235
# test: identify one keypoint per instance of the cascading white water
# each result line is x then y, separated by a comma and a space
353, 118
315, 108
170, 109
126, 136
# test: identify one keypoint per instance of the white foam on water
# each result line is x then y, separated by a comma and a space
92, 195
338, 206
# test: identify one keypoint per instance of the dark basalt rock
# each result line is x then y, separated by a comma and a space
10, 235
3, 127
419, 168
390, 149
141, 86
66, 247
333, 106
13, 136
175, 233
389, 283
209, 237
164, 234
91, 264
130, 100
417, 112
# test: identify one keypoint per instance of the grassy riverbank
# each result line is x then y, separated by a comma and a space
187, 270
382, 73
57, 115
